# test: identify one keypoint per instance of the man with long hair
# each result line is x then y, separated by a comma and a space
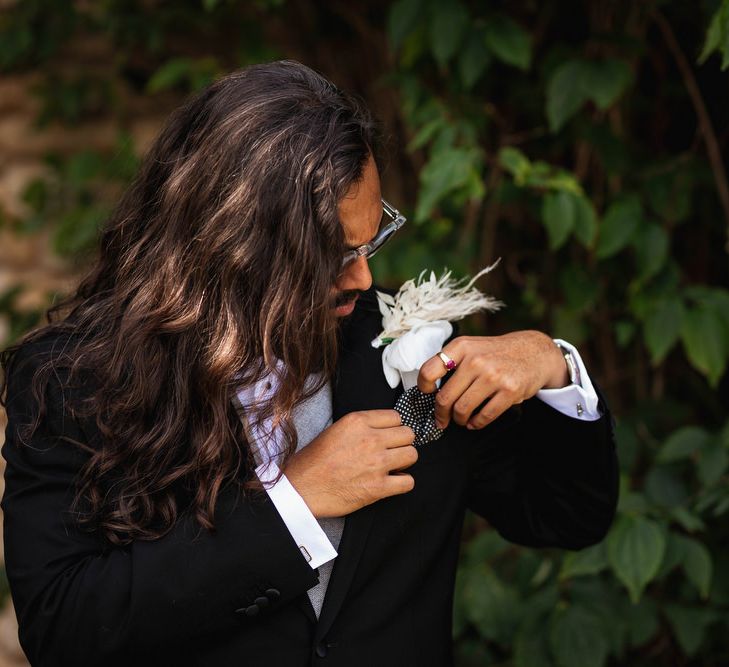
140, 525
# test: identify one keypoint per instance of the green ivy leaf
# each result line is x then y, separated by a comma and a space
485, 546
490, 604
717, 36
669, 191
689, 626
516, 163
713, 463
705, 342
689, 521
585, 221
575, 81
402, 18
665, 488
635, 549
194, 74
682, 444
577, 638
604, 81
559, 216
474, 60
447, 170
651, 246
618, 226
641, 621
632, 501
673, 556
448, 24
426, 133
565, 93
698, 566
509, 42
531, 647
662, 327
586, 561
78, 230
624, 332
174, 72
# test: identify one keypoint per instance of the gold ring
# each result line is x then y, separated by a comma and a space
447, 361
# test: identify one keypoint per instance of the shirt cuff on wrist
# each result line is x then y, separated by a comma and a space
301, 523
574, 400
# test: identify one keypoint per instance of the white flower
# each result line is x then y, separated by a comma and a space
416, 321
403, 358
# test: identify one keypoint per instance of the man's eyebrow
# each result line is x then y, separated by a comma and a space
354, 247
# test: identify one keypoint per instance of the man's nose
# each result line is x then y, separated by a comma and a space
357, 275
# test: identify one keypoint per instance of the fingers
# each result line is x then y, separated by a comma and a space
397, 484
400, 458
398, 436
496, 406
379, 418
451, 392
463, 407
434, 369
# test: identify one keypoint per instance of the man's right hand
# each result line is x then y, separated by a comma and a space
348, 465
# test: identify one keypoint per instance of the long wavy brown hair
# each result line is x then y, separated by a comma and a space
218, 261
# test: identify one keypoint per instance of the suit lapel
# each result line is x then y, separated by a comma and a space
360, 385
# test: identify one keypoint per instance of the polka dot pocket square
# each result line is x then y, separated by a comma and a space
417, 410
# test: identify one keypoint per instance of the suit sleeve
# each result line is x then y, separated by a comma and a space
80, 601
545, 479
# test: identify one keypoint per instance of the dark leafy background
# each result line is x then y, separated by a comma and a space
583, 143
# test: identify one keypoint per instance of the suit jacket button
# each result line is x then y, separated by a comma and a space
321, 650
252, 610
262, 602
273, 594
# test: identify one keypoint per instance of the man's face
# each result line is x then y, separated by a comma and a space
360, 212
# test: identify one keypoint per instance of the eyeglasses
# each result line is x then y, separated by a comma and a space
367, 250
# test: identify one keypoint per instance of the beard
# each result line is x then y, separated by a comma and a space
343, 298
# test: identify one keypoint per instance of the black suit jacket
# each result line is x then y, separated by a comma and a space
238, 596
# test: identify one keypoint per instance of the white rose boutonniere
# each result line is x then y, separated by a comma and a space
417, 321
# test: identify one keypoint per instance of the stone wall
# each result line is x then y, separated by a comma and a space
26, 259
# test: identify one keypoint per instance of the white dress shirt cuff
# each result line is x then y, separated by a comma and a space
574, 400
301, 523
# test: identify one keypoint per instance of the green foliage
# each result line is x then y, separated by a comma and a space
717, 37
635, 551
185, 73
70, 203
578, 81
546, 143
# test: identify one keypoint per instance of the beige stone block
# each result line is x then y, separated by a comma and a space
16, 94
144, 131
13, 182
20, 139
18, 253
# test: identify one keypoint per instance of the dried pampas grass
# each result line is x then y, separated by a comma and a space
420, 301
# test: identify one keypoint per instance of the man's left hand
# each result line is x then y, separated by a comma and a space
504, 369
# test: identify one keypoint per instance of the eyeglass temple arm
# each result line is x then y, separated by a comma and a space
397, 217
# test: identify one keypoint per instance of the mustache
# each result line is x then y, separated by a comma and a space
346, 297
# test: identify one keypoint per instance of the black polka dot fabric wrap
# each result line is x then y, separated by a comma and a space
417, 410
